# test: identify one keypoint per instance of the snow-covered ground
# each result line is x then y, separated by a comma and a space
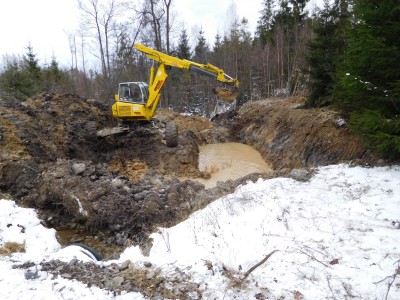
337, 237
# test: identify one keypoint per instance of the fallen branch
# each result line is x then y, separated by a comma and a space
314, 258
394, 276
257, 265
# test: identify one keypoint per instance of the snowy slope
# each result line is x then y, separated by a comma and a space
336, 237
344, 214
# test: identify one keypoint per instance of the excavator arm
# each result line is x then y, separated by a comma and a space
129, 108
205, 69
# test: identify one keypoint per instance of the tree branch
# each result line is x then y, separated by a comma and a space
314, 258
257, 265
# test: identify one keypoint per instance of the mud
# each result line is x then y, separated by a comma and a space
229, 161
290, 137
52, 160
120, 187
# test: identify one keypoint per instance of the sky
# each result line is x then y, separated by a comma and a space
42, 23
334, 236
215, 16
45, 24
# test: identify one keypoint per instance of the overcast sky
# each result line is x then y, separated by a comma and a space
45, 23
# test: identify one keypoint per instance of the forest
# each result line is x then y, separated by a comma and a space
344, 55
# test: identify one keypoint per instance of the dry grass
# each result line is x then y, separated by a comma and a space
11, 247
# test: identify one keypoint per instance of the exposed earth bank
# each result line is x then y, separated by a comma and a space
113, 191
125, 185
291, 137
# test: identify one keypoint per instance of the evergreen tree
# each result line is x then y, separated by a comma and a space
14, 79
370, 71
183, 50
217, 53
325, 50
217, 43
244, 62
127, 61
201, 51
22, 77
31, 66
264, 24
290, 14
201, 89
368, 79
53, 77
55, 71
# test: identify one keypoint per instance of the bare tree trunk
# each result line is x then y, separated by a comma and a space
278, 68
75, 70
99, 37
100, 19
107, 50
86, 90
74, 65
156, 25
167, 4
267, 70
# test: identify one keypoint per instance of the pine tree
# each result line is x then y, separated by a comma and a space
368, 79
264, 24
370, 71
217, 43
22, 77
325, 50
217, 56
290, 14
32, 64
13, 79
183, 50
34, 80
201, 51
53, 77
244, 62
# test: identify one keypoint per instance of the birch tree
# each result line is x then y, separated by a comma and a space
98, 18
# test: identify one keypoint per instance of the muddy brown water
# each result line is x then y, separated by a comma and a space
230, 161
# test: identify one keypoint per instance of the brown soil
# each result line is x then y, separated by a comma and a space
118, 188
291, 137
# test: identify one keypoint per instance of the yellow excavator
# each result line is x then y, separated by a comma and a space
138, 101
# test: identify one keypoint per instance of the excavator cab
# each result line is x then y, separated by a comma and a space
131, 100
134, 92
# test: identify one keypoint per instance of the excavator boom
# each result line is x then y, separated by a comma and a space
138, 101
205, 69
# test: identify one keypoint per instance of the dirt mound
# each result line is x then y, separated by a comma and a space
203, 129
291, 137
51, 159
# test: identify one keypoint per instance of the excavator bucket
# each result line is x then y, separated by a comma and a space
226, 94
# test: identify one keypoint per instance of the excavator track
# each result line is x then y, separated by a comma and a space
171, 135
170, 131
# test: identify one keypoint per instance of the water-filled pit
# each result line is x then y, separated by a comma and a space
229, 161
